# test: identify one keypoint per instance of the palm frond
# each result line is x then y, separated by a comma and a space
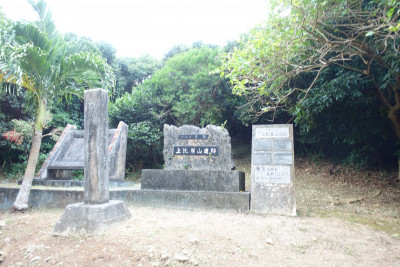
25, 33
45, 22
48, 65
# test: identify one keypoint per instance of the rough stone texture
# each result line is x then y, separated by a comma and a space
60, 174
91, 218
43, 172
68, 154
96, 211
202, 178
277, 199
217, 136
272, 170
193, 180
60, 198
117, 152
74, 183
96, 169
188, 199
44, 198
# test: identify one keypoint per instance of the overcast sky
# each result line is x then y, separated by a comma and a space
136, 27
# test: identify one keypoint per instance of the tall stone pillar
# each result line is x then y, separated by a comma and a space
97, 211
96, 163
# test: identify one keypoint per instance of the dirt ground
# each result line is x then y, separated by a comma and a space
345, 218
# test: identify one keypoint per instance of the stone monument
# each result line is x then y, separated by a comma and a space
68, 154
272, 170
196, 159
97, 210
199, 170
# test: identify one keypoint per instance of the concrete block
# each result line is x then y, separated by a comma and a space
262, 158
283, 145
283, 159
75, 183
193, 180
91, 218
262, 145
185, 199
60, 198
274, 199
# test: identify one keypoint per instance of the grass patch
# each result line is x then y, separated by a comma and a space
389, 226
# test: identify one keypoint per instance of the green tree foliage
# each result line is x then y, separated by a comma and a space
189, 93
183, 91
312, 57
12, 154
108, 52
42, 63
175, 50
138, 110
339, 121
131, 72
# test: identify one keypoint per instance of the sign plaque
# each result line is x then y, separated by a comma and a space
195, 150
193, 136
272, 169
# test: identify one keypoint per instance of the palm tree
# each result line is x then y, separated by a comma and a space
36, 58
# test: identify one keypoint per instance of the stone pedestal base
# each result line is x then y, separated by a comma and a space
193, 180
276, 199
91, 218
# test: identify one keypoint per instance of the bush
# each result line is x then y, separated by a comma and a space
138, 111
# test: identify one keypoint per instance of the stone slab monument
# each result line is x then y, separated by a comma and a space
198, 165
272, 170
97, 210
68, 154
196, 159
194, 148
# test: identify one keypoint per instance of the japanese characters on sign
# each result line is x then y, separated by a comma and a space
272, 154
193, 136
195, 150
272, 174
272, 132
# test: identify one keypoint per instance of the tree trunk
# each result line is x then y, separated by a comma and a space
394, 116
21, 202
398, 162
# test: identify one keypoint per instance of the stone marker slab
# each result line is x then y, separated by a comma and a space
262, 158
91, 218
68, 154
272, 170
96, 165
271, 174
117, 152
193, 180
198, 172
194, 148
96, 211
